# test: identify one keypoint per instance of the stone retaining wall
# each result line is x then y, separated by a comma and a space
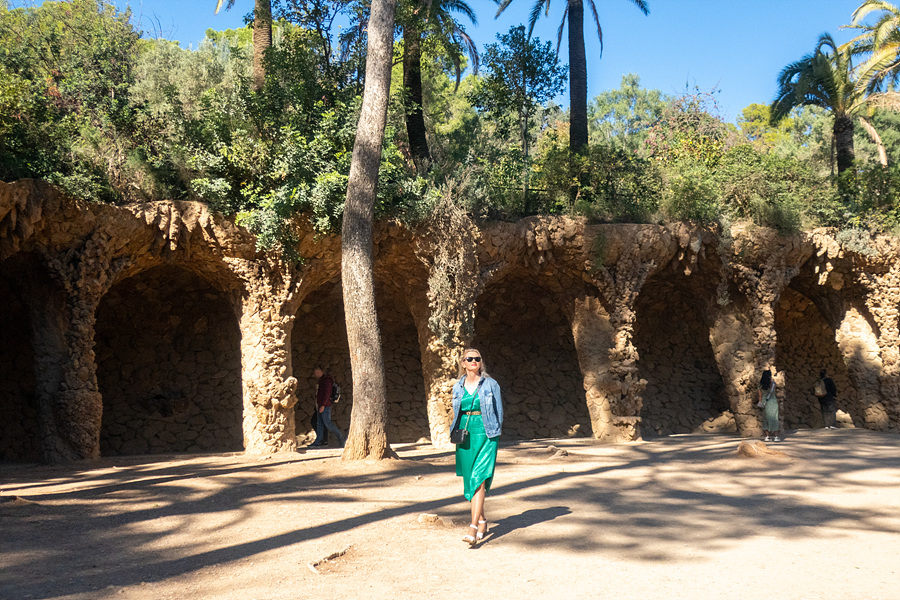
527, 345
684, 387
168, 366
319, 338
161, 327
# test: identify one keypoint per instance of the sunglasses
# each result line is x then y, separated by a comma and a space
472, 359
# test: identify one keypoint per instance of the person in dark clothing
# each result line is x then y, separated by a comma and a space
323, 410
828, 400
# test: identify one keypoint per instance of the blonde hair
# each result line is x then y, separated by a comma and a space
462, 363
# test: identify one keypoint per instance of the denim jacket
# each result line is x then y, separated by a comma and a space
491, 404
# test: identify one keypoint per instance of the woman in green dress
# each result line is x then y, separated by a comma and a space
769, 403
479, 410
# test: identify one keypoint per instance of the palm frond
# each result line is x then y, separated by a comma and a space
535, 14
597, 21
227, 6
642, 6
562, 26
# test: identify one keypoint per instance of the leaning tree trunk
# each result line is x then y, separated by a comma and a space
843, 142
413, 107
367, 437
262, 39
578, 121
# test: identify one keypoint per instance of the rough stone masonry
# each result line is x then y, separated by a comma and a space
159, 327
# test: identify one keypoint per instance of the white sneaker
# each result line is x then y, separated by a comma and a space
776, 439
768, 438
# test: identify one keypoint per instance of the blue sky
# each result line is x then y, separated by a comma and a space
737, 46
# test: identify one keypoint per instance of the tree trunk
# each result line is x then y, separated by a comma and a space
412, 83
367, 437
262, 39
843, 142
578, 122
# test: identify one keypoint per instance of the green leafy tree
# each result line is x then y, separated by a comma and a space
689, 130
623, 117
66, 69
522, 74
574, 17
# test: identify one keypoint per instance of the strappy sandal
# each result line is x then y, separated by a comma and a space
469, 538
479, 535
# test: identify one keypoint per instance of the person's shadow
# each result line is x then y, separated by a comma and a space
526, 519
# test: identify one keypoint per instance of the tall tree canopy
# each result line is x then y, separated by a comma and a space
433, 18
879, 41
574, 17
824, 78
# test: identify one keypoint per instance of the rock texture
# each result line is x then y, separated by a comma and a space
160, 328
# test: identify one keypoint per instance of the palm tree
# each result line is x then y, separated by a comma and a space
262, 36
824, 78
434, 18
574, 13
880, 41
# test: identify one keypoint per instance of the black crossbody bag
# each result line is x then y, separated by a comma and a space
459, 436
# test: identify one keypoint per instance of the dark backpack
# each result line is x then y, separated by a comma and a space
335, 391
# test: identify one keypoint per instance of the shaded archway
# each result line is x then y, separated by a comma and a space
19, 425
528, 347
319, 338
168, 366
806, 344
685, 392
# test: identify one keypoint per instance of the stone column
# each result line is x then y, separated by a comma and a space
266, 309
859, 347
439, 367
71, 406
881, 301
761, 286
445, 312
733, 345
603, 334
594, 339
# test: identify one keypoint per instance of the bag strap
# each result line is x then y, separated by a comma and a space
458, 417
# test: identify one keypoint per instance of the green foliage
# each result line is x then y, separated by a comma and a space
86, 104
609, 183
689, 130
623, 117
522, 73
65, 74
690, 196
856, 240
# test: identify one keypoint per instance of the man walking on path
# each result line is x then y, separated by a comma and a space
323, 406
826, 392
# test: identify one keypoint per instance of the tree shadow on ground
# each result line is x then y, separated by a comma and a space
94, 527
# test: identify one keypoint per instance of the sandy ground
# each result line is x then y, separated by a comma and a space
681, 517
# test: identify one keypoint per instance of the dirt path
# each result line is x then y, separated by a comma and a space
676, 518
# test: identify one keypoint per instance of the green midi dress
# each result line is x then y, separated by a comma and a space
475, 459
770, 412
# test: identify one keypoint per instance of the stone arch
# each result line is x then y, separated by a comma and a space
685, 391
20, 438
528, 345
806, 344
167, 347
319, 338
